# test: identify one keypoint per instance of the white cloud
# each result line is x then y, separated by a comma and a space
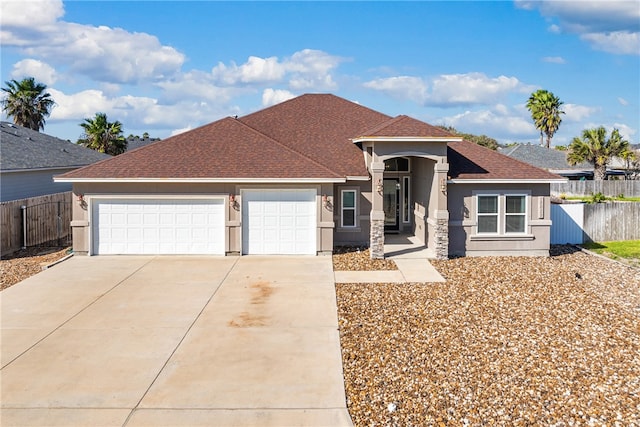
627, 132
255, 70
195, 85
102, 53
619, 42
611, 26
577, 113
450, 90
39, 70
500, 125
275, 96
472, 88
623, 101
305, 69
29, 13
402, 87
554, 59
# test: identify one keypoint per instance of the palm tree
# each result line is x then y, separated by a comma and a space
595, 148
545, 111
27, 102
103, 136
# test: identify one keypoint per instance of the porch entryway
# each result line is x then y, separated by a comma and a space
405, 245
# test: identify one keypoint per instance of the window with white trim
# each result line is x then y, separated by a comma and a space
348, 208
501, 213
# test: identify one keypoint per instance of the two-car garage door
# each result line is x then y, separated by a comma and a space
158, 226
274, 222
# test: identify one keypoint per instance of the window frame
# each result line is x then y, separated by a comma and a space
354, 208
502, 213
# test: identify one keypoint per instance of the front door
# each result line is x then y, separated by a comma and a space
391, 199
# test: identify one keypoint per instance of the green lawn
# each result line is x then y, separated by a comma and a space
590, 199
628, 250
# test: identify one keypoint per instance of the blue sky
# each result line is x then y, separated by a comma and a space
164, 67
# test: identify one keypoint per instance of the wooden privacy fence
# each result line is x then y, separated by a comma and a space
36, 220
598, 222
587, 188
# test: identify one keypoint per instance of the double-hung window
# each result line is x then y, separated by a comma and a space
348, 205
501, 213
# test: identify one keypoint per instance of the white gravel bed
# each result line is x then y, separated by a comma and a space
505, 341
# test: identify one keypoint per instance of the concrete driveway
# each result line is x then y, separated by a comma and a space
236, 341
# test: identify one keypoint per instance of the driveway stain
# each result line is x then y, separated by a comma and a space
260, 293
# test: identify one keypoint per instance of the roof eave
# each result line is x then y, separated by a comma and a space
203, 180
407, 139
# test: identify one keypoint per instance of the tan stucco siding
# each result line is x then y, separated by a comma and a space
463, 236
81, 223
358, 235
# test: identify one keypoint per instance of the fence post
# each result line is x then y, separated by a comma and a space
59, 225
23, 209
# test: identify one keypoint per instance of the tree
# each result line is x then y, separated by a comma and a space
483, 140
27, 102
103, 136
595, 148
545, 111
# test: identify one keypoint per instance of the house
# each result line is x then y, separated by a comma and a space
305, 176
30, 159
134, 142
553, 160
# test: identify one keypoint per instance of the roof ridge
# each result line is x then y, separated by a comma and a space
239, 120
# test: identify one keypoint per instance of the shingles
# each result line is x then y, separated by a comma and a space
306, 137
542, 157
408, 127
24, 149
320, 126
223, 149
471, 161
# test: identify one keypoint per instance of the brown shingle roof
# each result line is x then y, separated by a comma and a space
472, 161
306, 137
408, 127
320, 126
224, 149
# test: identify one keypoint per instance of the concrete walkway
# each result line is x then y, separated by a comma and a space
411, 258
140, 341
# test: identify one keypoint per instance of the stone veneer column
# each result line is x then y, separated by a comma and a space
441, 232
376, 218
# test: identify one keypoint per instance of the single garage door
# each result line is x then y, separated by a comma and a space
158, 226
279, 222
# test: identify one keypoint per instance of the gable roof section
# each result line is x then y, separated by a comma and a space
469, 161
222, 150
320, 126
25, 149
405, 126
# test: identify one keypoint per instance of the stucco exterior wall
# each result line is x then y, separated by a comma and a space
358, 235
464, 239
81, 223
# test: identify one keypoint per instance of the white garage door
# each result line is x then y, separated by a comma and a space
158, 226
279, 222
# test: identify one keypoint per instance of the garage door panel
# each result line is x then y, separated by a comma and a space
279, 222
158, 226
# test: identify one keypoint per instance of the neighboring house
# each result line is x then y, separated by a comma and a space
137, 142
553, 160
307, 175
30, 159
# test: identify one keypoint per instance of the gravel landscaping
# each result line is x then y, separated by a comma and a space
354, 258
505, 341
20, 265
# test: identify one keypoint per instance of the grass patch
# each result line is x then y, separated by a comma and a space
628, 250
594, 198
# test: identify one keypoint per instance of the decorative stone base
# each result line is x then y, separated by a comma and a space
442, 239
376, 248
